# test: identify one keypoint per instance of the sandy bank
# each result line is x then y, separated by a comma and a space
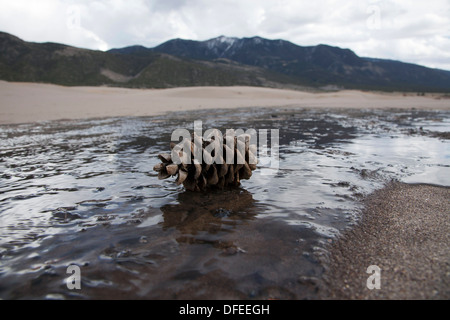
28, 102
405, 231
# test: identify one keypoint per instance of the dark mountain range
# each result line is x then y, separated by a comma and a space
315, 65
217, 62
140, 67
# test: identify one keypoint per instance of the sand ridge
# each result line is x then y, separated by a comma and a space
29, 102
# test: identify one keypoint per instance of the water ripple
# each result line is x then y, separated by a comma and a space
83, 192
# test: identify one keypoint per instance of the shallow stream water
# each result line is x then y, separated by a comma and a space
83, 193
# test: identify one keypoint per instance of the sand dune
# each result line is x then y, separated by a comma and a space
28, 102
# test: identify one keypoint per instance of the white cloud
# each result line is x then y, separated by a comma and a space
411, 31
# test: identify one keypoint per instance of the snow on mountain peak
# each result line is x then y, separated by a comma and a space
220, 41
228, 40
220, 44
257, 40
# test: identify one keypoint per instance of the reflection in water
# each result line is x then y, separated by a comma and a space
196, 212
83, 192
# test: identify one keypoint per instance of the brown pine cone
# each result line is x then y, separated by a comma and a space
198, 175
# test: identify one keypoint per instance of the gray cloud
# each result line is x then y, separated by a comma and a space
411, 31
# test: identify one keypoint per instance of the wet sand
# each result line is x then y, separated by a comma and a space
29, 102
405, 230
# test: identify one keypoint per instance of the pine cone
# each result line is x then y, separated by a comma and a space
198, 175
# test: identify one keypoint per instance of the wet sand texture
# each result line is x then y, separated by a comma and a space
405, 230
29, 102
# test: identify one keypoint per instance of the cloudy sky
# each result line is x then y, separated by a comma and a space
414, 31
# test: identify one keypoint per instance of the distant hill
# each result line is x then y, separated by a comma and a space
139, 67
315, 65
220, 61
